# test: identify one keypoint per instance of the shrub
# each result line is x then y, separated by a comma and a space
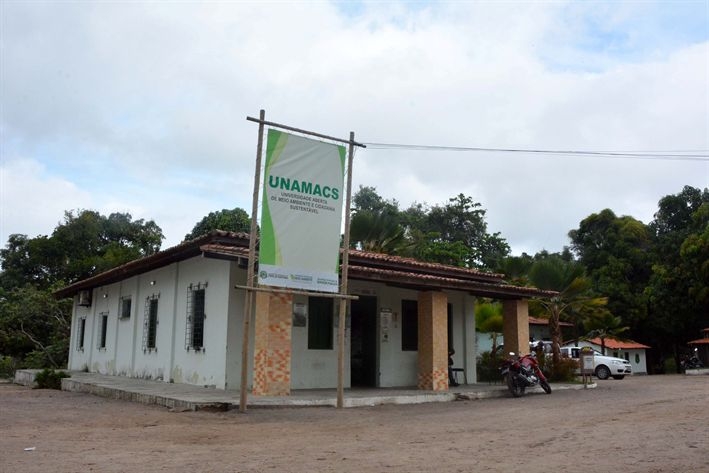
564, 370
488, 367
8, 366
50, 379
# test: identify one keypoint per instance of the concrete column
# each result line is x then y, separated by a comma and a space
272, 344
515, 326
433, 341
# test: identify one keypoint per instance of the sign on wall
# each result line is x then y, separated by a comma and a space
301, 213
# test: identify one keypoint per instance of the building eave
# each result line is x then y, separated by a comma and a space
364, 266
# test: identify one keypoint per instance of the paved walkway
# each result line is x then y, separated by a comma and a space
189, 397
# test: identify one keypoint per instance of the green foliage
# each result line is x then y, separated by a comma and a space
454, 234
488, 319
234, 220
86, 243
50, 379
375, 230
604, 325
488, 367
575, 299
656, 276
563, 370
8, 366
34, 327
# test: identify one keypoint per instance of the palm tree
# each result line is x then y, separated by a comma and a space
604, 325
376, 231
574, 299
488, 319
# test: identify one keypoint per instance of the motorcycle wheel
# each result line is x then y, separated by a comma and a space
545, 386
517, 391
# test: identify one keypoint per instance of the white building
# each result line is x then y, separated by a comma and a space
177, 316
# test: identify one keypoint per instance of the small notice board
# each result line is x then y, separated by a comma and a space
587, 364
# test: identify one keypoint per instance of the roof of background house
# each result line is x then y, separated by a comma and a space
363, 265
614, 344
539, 321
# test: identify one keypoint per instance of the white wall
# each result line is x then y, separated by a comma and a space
80, 359
636, 357
220, 363
316, 368
124, 353
206, 367
235, 324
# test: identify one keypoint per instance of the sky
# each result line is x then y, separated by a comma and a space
141, 107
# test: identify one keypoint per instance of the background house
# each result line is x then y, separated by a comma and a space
629, 350
702, 346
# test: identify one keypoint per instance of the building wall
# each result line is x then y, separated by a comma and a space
316, 368
235, 326
125, 354
636, 357
219, 365
206, 367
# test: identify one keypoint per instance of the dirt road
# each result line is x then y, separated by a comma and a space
648, 424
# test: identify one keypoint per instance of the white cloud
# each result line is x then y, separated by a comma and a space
142, 105
34, 200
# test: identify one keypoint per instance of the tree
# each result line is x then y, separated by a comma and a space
574, 301
234, 220
604, 325
34, 326
616, 254
463, 220
375, 231
678, 284
84, 244
488, 319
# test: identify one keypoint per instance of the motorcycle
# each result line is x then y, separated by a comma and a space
523, 372
691, 362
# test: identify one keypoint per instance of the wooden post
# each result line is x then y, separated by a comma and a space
343, 282
248, 299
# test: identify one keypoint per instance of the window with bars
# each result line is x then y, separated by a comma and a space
103, 329
194, 332
125, 307
82, 332
150, 323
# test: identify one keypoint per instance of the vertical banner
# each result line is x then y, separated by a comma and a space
301, 213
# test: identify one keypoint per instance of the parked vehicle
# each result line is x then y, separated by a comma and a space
523, 372
691, 362
603, 366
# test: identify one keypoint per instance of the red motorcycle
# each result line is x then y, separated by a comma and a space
523, 372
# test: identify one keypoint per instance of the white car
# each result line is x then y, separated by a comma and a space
604, 367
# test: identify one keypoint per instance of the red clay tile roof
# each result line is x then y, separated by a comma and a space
393, 270
614, 344
539, 321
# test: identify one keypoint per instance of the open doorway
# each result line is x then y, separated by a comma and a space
363, 342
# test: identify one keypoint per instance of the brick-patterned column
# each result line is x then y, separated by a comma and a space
433, 341
272, 344
515, 326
